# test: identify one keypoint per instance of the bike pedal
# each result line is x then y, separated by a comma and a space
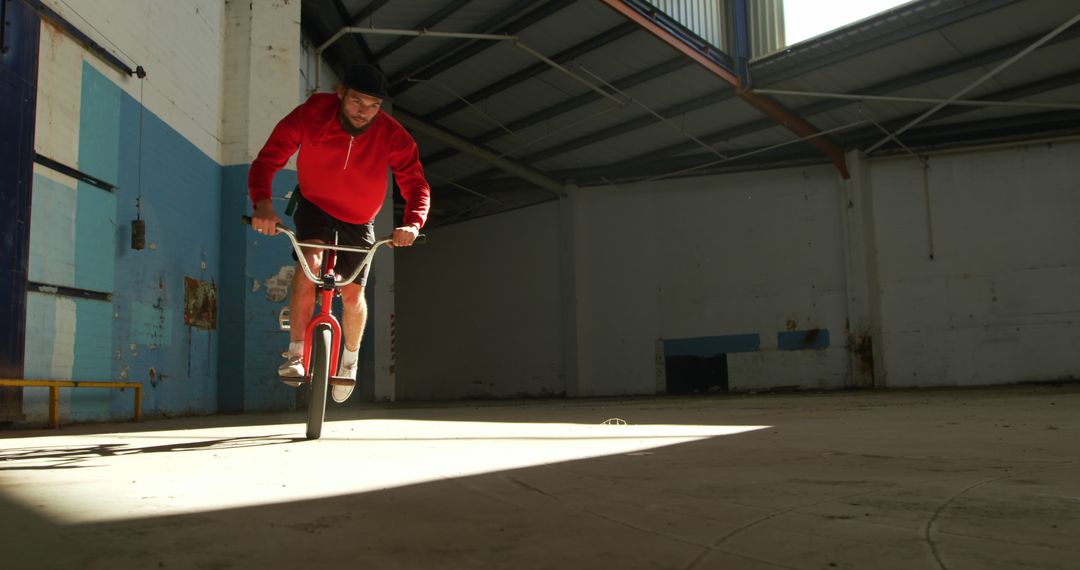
342, 381
283, 318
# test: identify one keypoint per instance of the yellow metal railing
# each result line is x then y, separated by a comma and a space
54, 392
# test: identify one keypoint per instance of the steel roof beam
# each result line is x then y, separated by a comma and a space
1017, 127
442, 14
895, 99
859, 136
769, 107
625, 127
877, 41
1056, 122
446, 137
343, 13
1048, 84
1059, 81
447, 56
545, 61
888, 86
366, 11
662, 30
627, 82
1049, 36
568, 54
632, 125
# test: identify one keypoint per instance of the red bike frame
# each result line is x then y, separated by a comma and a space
325, 315
326, 284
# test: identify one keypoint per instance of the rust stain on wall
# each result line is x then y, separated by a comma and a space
200, 303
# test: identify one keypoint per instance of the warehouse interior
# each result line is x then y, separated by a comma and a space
693, 296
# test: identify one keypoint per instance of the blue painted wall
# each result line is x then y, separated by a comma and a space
82, 239
251, 342
813, 339
191, 206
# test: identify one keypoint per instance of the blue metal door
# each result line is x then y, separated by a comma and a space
19, 34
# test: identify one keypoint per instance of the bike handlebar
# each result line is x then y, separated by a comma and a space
420, 239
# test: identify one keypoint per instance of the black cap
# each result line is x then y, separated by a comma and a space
368, 80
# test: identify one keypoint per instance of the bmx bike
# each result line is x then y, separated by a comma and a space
322, 338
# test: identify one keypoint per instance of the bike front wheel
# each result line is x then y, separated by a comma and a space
320, 379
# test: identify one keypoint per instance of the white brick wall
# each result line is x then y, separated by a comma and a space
180, 44
220, 73
261, 81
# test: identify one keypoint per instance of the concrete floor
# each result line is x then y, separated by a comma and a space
951, 479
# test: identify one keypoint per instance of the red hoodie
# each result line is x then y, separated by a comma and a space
343, 175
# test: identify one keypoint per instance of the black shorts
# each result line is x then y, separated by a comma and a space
313, 223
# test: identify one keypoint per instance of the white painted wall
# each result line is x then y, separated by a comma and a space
759, 252
742, 254
1000, 300
260, 78
477, 309
178, 43
327, 79
704, 257
221, 78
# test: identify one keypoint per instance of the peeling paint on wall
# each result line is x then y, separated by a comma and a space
150, 324
200, 303
277, 287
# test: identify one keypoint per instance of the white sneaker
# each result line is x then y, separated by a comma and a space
342, 393
292, 368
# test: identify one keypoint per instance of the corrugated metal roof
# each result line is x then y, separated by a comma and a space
594, 120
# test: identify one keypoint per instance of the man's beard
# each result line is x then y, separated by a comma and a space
347, 125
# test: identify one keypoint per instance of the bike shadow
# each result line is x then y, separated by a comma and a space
75, 456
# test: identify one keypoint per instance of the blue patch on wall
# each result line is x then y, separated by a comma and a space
813, 339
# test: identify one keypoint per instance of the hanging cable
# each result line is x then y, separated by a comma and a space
138, 226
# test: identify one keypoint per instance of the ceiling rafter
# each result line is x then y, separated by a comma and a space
565, 120
453, 53
766, 75
442, 14
343, 13
642, 163
365, 12
766, 105
557, 109
573, 52
883, 87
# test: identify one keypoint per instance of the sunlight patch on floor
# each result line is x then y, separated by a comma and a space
101, 477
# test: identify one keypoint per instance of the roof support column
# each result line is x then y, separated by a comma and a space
742, 41
864, 339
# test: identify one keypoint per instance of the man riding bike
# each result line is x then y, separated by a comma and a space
347, 145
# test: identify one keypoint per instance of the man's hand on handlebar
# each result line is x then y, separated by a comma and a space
404, 236
264, 220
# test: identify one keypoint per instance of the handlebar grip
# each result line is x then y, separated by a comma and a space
246, 220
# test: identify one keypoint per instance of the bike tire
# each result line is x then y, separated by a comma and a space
320, 380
